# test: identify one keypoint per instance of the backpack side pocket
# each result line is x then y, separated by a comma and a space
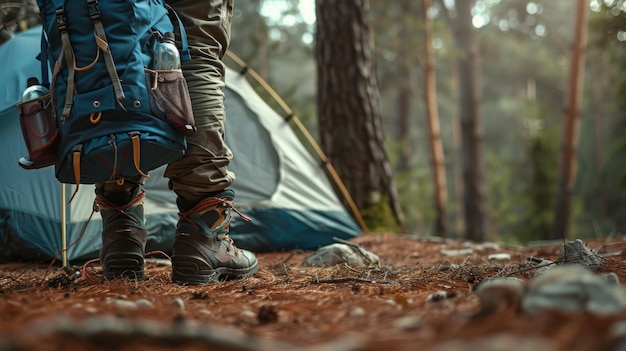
169, 97
40, 132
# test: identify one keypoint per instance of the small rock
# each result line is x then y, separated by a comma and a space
500, 257
143, 303
577, 252
407, 323
448, 267
357, 312
573, 288
248, 314
458, 252
437, 296
618, 329
500, 294
335, 254
123, 304
611, 278
543, 267
178, 303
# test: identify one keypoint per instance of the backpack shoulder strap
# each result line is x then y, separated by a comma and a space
184, 53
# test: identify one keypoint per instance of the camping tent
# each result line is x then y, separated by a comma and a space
279, 185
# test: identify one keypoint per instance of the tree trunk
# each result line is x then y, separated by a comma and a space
571, 125
471, 122
350, 121
403, 135
434, 131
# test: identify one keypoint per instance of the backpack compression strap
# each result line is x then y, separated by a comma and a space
69, 58
103, 44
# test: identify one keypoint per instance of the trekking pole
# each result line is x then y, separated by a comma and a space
63, 226
318, 150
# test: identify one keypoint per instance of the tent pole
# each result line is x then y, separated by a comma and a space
318, 150
63, 226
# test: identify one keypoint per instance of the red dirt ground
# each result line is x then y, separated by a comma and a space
287, 306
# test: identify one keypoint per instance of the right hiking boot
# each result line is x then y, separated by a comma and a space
203, 252
123, 234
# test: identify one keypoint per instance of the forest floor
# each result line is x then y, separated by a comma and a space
397, 305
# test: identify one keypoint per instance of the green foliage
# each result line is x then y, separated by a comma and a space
541, 170
502, 208
604, 201
379, 216
415, 189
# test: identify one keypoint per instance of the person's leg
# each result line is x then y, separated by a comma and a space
123, 228
202, 250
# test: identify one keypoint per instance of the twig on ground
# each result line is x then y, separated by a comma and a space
350, 279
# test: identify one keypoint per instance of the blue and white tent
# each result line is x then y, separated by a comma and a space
279, 185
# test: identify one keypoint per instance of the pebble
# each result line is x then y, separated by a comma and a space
500, 257
447, 267
500, 294
573, 288
407, 323
123, 304
459, 252
437, 296
178, 303
143, 303
357, 312
248, 314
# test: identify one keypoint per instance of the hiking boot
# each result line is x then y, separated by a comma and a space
203, 252
123, 233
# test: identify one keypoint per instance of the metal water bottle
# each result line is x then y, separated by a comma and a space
37, 118
166, 55
39, 126
33, 89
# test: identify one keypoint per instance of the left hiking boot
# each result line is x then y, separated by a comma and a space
123, 234
203, 252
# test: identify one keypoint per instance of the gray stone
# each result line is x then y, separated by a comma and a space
407, 323
500, 294
575, 252
338, 253
573, 288
456, 252
143, 303
178, 303
544, 266
123, 304
357, 312
499, 257
498, 343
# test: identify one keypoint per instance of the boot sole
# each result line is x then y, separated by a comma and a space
209, 275
124, 266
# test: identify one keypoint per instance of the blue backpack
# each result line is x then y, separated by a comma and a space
110, 106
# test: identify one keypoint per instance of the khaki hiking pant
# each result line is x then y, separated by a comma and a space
203, 170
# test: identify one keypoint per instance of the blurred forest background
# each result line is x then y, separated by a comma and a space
524, 50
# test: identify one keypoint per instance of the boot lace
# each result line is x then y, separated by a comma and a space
222, 229
120, 210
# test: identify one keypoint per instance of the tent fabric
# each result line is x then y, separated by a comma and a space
279, 184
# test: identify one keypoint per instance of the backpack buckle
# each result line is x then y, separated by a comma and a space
94, 10
61, 20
